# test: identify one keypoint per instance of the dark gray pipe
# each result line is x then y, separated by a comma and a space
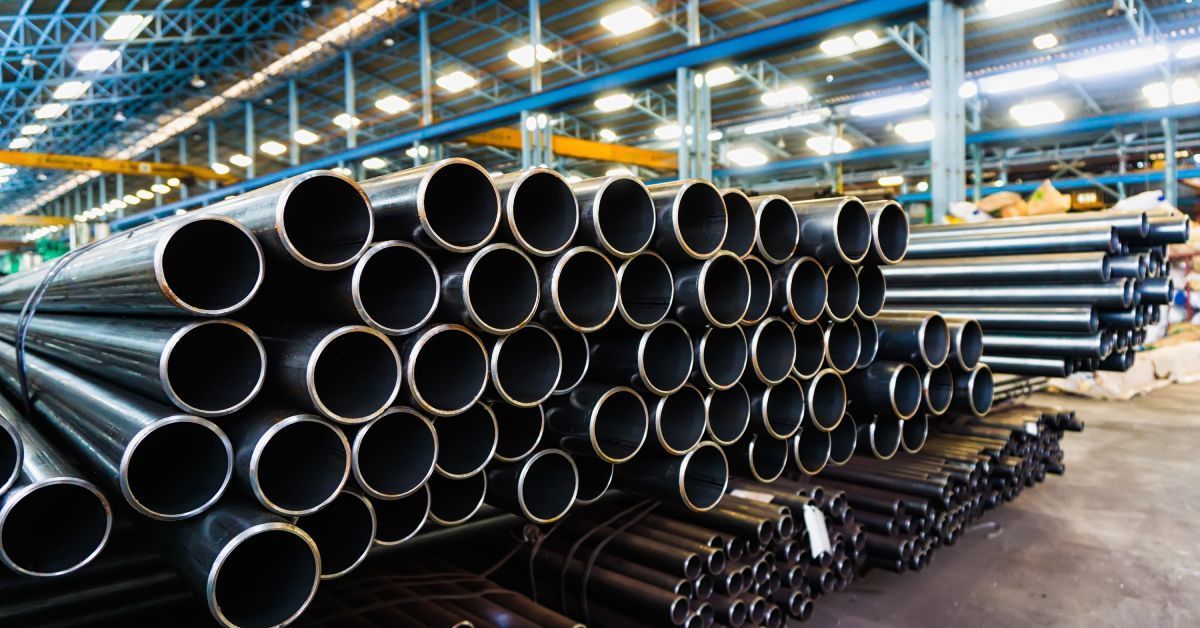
937, 386
12, 450
576, 354
612, 420
398, 520
810, 450
777, 410
1114, 294
914, 336
966, 341
521, 430
454, 501
349, 374
777, 228
204, 367
834, 230
344, 532
1025, 365
772, 351
450, 204
973, 391
843, 440
1057, 240
758, 457
1081, 318
1086, 267
714, 292
742, 231
841, 298
1066, 345
913, 433
394, 287
152, 271
291, 463
843, 345
680, 420
540, 213
889, 232
645, 290
691, 219
810, 349
541, 488
525, 366
885, 388
495, 289
394, 455
728, 414
761, 299
579, 290
1134, 266
881, 437
721, 357
616, 214
1118, 361
868, 341
659, 359
872, 291
466, 443
595, 476
1128, 223
800, 290
825, 400
445, 369
166, 465
1134, 318
1172, 229
1156, 291
695, 480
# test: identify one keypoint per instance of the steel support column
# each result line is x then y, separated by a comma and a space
293, 121
212, 149
947, 72
250, 148
1170, 164
183, 159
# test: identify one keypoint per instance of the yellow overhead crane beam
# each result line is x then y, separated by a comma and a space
582, 149
119, 166
26, 220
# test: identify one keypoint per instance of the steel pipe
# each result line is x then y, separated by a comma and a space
937, 386
810, 349
645, 290
843, 440
825, 400
872, 291
466, 443
394, 455
1068, 345
495, 289
613, 421
913, 433
721, 357
841, 300
713, 292
445, 369
680, 420
540, 488
1174, 229
1134, 318
1156, 291
394, 287
691, 219
973, 391
800, 290
520, 432
451, 204
741, 234
966, 341
772, 351
759, 457
595, 476
777, 410
454, 501
659, 359
1086, 267
525, 366
579, 290
810, 450
616, 214
540, 213
882, 436
777, 228
1065, 240
1134, 266
576, 354
868, 340
728, 414
344, 532
834, 230
1118, 361
398, 520
1082, 318
1128, 223
889, 232
843, 345
913, 335
695, 480
885, 389
12, 450
761, 301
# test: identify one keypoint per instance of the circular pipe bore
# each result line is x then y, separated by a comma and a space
872, 292
767, 457
354, 374
772, 351
703, 477
344, 532
397, 520
176, 467
742, 225
810, 450
324, 220
458, 205
645, 290
452, 502
810, 349
982, 390
299, 465
722, 355
53, 527
803, 289
547, 486
619, 425
394, 455
622, 214
521, 430
526, 366
213, 367
395, 287
583, 289
277, 558
576, 356
968, 344
541, 212
665, 357
699, 218
778, 230
223, 284
447, 369
500, 288
466, 443
842, 441
852, 231
826, 400
760, 290
782, 408
913, 433
938, 385
728, 414
724, 289
884, 434
595, 476
680, 420
842, 346
889, 228
906, 390
868, 340
843, 291
935, 341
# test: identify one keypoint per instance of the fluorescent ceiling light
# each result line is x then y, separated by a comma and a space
97, 60
968, 89
916, 130
7, 172
1156, 94
1183, 91
374, 163
174, 182
1188, 50
715, 135
792, 95
720, 76
71, 89
615, 172
922, 186
766, 126
889, 104
825, 145
838, 46
456, 81
240, 160
746, 156
891, 180
1039, 112
1114, 62
272, 147
219, 167
131, 199
50, 111
127, 26
866, 39
305, 137
344, 120
1017, 80
393, 104
996, 8
614, 102
627, 20
803, 118
145, 194
1045, 41
33, 129
608, 135
159, 188
523, 56
667, 132
421, 151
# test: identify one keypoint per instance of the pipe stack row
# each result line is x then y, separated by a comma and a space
1056, 294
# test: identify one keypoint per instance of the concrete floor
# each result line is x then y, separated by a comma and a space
1113, 542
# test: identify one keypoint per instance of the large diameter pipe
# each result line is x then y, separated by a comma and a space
445, 368
659, 359
881, 437
203, 367
616, 214
800, 290
885, 388
579, 290
541, 214
868, 341
53, 521
1128, 223
913, 336
843, 345
691, 219
761, 287
394, 455
872, 291
913, 433
454, 501
576, 352
841, 299
741, 233
1069, 345
466, 442
541, 488
810, 349
777, 228
525, 366
722, 355
398, 520
521, 430
1082, 318
251, 568
825, 400
889, 232
612, 421
714, 292
595, 476
344, 532
645, 290
759, 457
166, 465
973, 391
834, 230
1026, 365
1067, 240
450, 204
1086, 267
496, 289
777, 410
772, 351
695, 480
966, 341
843, 440
680, 420
728, 414
937, 386
810, 450
349, 374
290, 463
1117, 294
152, 270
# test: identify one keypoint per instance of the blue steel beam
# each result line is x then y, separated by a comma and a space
1130, 178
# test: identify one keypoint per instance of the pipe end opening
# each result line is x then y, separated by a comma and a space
176, 468
53, 527
222, 284
213, 368
326, 221
266, 579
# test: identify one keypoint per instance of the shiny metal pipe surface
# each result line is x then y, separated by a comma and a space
834, 230
914, 336
872, 291
761, 288
841, 297
772, 351
680, 420
868, 341
1133, 318
695, 480
800, 290
843, 440
344, 532
722, 355
810, 450
541, 488
691, 219
576, 356
758, 457
610, 421
658, 360
466, 442
1092, 266
825, 400
973, 391
616, 214
1082, 318
496, 289
1133, 222
1133, 266
1065, 240
966, 341
714, 292
741, 232
524, 366
1156, 291
1114, 294
889, 232
1026, 365
810, 349
884, 388
579, 290
1065, 345
394, 455
776, 411
777, 228
645, 290
445, 369
728, 414
937, 386
539, 211
880, 437
843, 345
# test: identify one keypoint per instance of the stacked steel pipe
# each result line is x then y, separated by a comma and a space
1056, 294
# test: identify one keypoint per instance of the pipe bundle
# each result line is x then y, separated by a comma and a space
1056, 294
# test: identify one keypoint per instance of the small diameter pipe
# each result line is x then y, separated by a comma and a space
1117, 294
810, 349
541, 488
525, 366
759, 457
680, 420
1083, 318
868, 340
834, 230
696, 480
728, 414
842, 297
938, 388
446, 369
579, 290
761, 299
843, 345
1101, 238
344, 532
889, 232
778, 229
810, 450
776, 410
466, 443
612, 422
800, 290
540, 213
645, 290
966, 341
772, 351
521, 430
495, 290
398, 520
1025, 365
616, 214
872, 292
394, 455
973, 391
721, 357
715, 291
691, 219
843, 440
742, 233
454, 501
576, 354
1090, 266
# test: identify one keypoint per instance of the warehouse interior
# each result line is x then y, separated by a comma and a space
598, 312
